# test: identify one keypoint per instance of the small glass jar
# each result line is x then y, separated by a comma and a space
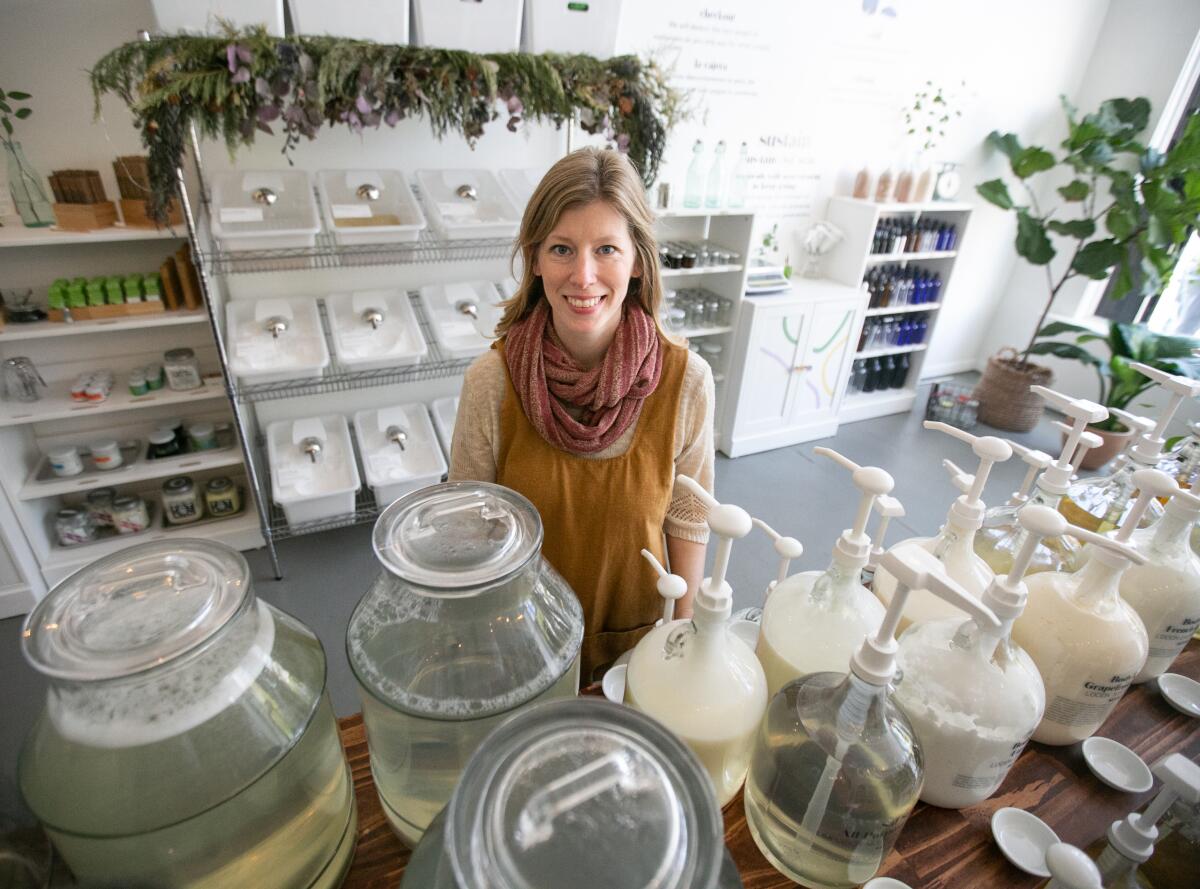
130, 514
202, 436
676, 319
695, 312
181, 501
176, 426
106, 454
711, 352
182, 369
65, 461
712, 311
154, 376
674, 258
99, 506
137, 383
725, 312
74, 526
221, 497
163, 444
689, 259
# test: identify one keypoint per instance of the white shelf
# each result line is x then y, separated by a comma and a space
901, 310
45, 329
891, 350
910, 257
141, 471
692, 333
926, 207
19, 236
57, 404
868, 405
686, 212
702, 270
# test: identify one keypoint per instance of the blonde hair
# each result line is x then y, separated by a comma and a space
580, 178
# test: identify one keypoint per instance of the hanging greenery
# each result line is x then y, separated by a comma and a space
246, 82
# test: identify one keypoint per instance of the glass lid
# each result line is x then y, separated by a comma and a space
135, 609
458, 536
587, 788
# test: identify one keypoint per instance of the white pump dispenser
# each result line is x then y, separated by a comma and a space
1131, 840
836, 768
1002, 535
695, 676
1138, 426
1036, 461
813, 620
788, 549
888, 508
1087, 642
954, 544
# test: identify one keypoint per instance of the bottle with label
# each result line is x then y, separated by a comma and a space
740, 181
836, 768
1165, 592
954, 544
697, 677
1001, 535
714, 195
813, 621
1087, 642
972, 696
693, 191
1100, 504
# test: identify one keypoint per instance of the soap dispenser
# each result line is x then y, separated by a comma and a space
888, 508
954, 544
1087, 642
1001, 535
697, 677
813, 621
1035, 461
972, 696
1100, 504
1131, 840
836, 768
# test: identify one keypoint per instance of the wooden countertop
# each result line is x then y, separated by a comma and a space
938, 848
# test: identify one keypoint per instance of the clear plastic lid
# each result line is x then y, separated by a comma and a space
458, 538
587, 788
135, 610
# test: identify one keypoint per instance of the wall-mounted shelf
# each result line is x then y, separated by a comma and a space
902, 310
891, 350
57, 405
693, 333
873, 258
702, 270
48, 329
142, 470
19, 236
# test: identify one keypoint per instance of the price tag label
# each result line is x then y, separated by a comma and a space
229, 215
351, 211
459, 212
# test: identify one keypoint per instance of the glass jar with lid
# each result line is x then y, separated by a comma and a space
465, 624
583, 792
187, 739
181, 501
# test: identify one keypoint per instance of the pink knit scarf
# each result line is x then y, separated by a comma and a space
547, 379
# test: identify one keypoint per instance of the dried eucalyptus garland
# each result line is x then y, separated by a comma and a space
245, 82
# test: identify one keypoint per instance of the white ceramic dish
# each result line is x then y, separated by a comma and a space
1181, 693
299, 352
395, 342
885, 883
614, 683
1024, 839
391, 472
1116, 765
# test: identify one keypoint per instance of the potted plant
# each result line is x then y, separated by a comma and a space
24, 182
1126, 208
1120, 384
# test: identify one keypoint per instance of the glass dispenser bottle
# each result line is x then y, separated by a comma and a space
188, 739
1087, 642
813, 621
1001, 536
465, 624
697, 677
1183, 462
972, 696
693, 191
1100, 504
836, 768
954, 544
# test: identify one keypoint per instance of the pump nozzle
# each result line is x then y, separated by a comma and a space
1007, 594
1087, 441
1151, 483
1036, 461
969, 509
914, 569
788, 548
671, 587
1139, 426
1082, 412
873, 482
729, 523
1134, 836
888, 508
1149, 446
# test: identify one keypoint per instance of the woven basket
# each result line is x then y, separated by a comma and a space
1004, 397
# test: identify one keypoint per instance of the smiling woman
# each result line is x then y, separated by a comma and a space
587, 408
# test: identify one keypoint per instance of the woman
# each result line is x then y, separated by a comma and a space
588, 409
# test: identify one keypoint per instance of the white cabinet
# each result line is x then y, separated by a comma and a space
790, 362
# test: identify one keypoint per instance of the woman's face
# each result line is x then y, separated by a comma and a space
585, 265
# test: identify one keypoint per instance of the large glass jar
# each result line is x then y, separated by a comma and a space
187, 739
465, 624
582, 793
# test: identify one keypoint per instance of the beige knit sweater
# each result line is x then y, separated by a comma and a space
476, 446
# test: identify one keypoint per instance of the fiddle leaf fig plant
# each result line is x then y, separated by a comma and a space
1122, 207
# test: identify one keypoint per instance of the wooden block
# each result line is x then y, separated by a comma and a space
188, 278
172, 290
134, 214
85, 217
105, 311
147, 307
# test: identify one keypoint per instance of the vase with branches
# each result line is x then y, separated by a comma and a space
24, 182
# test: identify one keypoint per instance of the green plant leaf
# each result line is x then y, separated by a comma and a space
1159, 231
20, 97
1122, 283
995, 192
7, 126
1054, 328
1120, 222
1032, 241
1032, 160
4, 106
1066, 350
1006, 143
1076, 190
1096, 258
1075, 228
1122, 188
1097, 154
1133, 113
23, 113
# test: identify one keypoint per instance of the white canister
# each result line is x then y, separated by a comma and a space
65, 460
106, 454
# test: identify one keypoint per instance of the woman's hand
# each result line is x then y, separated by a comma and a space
687, 560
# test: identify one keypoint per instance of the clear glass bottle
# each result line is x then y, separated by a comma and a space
714, 193
740, 182
1183, 461
693, 191
188, 740
27, 188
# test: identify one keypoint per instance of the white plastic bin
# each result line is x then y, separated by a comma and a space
520, 184
255, 356
468, 204
395, 340
476, 26
308, 491
383, 21
572, 26
445, 412
392, 472
369, 206
201, 16
458, 333
264, 210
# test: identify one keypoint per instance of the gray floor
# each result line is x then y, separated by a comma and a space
800, 495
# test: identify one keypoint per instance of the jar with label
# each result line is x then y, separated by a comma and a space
65, 461
137, 383
99, 506
181, 501
182, 369
176, 426
74, 526
130, 514
163, 444
221, 497
154, 376
106, 454
202, 436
